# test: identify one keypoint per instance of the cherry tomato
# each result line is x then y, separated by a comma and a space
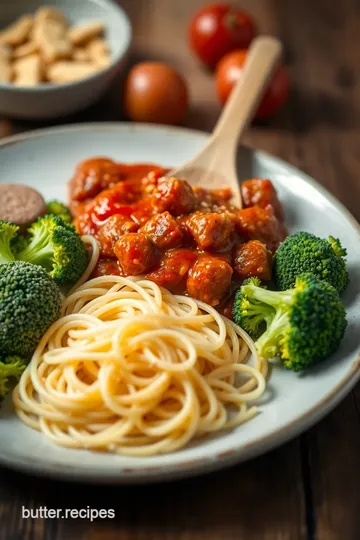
218, 29
228, 73
154, 92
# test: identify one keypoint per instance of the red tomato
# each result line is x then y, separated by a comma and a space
229, 71
218, 29
154, 92
276, 95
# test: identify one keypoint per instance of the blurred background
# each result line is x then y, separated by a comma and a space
316, 129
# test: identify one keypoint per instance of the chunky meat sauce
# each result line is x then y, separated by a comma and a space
189, 240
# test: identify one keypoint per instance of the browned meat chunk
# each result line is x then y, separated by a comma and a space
257, 223
174, 195
93, 175
163, 231
253, 259
174, 268
260, 192
136, 254
211, 230
208, 199
106, 267
112, 230
209, 280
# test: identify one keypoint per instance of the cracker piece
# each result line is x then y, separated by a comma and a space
17, 33
52, 40
6, 71
81, 54
99, 52
83, 33
28, 48
5, 53
50, 13
28, 70
65, 72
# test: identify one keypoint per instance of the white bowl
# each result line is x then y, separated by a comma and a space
54, 100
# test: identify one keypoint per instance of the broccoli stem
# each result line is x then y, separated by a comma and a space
39, 251
274, 313
271, 298
6, 254
268, 343
257, 313
8, 236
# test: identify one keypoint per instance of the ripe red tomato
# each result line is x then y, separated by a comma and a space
218, 29
154, 92
228, 73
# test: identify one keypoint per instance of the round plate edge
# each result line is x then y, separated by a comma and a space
232, 456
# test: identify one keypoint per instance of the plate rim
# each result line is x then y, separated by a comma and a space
235, 453
140, 126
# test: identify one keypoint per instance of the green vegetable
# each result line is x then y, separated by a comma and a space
304, 325
247, 314
303, 252
29, 303
8, 236
11, 368
58, 248
57, 208
18, 244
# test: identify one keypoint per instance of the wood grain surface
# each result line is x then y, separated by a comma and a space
307, 489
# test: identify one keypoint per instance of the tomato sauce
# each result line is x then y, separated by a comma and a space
187, 239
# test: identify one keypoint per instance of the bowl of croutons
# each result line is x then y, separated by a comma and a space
59, 58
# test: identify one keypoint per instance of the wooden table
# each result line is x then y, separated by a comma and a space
309, 488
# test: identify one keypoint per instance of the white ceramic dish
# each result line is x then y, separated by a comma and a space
51, 101
45, 160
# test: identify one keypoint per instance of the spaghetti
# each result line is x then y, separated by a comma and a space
132, 369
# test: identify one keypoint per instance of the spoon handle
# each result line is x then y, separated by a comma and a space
215, 164
262, 58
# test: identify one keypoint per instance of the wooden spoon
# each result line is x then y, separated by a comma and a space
215, 165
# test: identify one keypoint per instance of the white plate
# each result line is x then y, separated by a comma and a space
45, 160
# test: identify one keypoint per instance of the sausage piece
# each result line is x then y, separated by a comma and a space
163, 231
174, 195
91, 176
110, 232
208, 198
252, 259
261, 192
174, 268
209, 280
211, 230
106, 267
257, 223
20, 204
136, 254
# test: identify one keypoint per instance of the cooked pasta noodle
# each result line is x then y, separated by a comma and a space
131, 368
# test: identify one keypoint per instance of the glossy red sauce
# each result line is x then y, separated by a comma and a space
189, 240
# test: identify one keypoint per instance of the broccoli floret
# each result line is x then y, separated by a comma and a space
8, 237
57, 208
251, 316
11, 368
18, 244
304, 252
58, 248
306, 325
29, 303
